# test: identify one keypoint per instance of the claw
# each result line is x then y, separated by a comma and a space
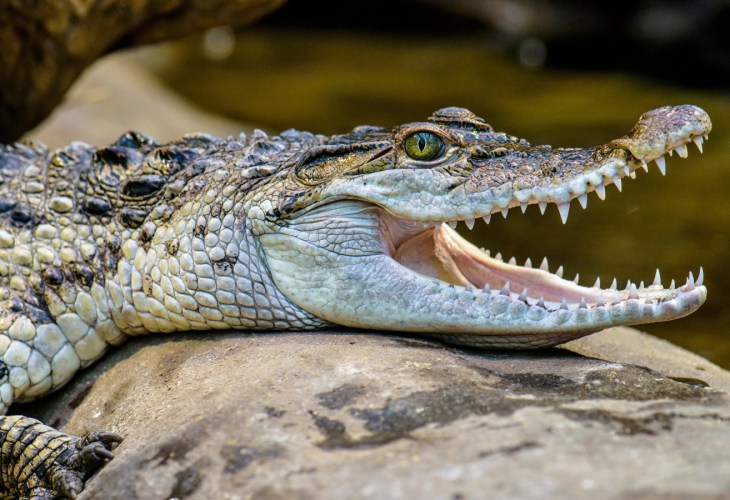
51, 464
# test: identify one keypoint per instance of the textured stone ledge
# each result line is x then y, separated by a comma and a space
348, 415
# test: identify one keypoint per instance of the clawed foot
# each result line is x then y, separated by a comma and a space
82, 460
46, 464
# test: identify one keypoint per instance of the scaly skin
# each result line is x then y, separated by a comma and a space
289, 232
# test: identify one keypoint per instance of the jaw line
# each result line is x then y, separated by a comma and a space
441, 253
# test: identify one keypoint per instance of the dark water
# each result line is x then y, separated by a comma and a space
330, 82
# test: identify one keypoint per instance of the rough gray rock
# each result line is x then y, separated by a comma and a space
348, 415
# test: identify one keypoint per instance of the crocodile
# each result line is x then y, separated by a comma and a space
296, 231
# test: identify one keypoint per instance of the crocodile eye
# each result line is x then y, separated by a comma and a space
424, 146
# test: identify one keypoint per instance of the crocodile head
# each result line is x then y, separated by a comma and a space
359, 230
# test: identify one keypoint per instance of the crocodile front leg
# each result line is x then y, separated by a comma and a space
39, 353
40, 462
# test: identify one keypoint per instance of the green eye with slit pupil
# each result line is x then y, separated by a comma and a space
424, 146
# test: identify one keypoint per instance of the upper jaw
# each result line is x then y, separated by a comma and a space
476, 187
657, 132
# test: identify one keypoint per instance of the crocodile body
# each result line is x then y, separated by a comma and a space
290, 232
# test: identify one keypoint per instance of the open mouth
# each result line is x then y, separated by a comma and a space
441, 253
380, 251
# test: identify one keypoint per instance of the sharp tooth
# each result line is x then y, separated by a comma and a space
671, 152
512, 262
544, 264
559, 272
627, 170
504, 212
682, 151
662, 165
632, 175
523, 295
698, 141
542, 205
469, 287
628, 285
487, 218
706, 136
505, 289
564, 209
564, 304
576, 279
469, 223
523, 207
645, 166
657, 278
601, 191
583, 303
633, 293
528, 262
498, 256
672, 285
690, 285
541, 302
452, 224
614, 284
486, 288
583, 200
701, 277
617, 182
598, 283
641, 285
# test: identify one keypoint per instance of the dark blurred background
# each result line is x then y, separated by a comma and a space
565, 73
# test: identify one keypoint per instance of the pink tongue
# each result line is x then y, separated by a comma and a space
469, 264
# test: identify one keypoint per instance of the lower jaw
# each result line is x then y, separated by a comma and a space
441, 253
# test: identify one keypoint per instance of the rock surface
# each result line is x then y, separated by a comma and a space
349, 415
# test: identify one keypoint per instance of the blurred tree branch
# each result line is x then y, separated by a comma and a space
46, 44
